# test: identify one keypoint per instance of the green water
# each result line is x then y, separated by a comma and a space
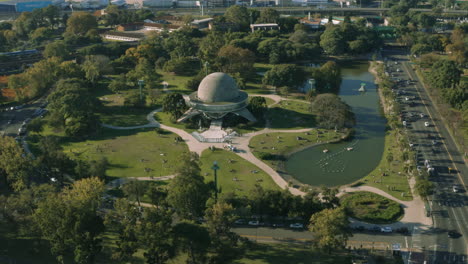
339, 166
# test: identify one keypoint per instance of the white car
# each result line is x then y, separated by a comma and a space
405, 123
411, 145
296, 226
386, 229
426, 124
421, 115
254, 223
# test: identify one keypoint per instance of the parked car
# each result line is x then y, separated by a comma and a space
254, 223
240, 222
276, 225
296, 226
386, 229
426, 124
453, 234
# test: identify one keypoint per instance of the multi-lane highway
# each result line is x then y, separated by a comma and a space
435, 147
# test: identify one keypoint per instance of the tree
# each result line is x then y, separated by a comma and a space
219, 219
268, 15
445, 74
180, 66
15, 166
94, 66
193, 239
239, 15
69, 220
155, 235
174, 104
188, 192
424, 187
36, 125
284, 75
236, 60
124, 220
73, 108
40, 34
329, 197
331, 229
332, 41
257, 105
327, 77
80, 23
300, 36
134, 190
56, 49
331, 112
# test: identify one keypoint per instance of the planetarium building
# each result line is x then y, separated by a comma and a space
217, 96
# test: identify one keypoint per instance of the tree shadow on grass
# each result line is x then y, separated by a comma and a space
284, 118
289, 253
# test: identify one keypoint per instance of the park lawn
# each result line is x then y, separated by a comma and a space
279, 253
371, 207
280, 143
176, 82
232, 167
394, 184
289, 114
254, 83
131, 153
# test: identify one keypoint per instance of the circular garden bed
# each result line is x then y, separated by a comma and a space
372, 208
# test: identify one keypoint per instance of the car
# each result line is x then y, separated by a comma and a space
434, 142
426, 124
240, 222
453, 234
386, 229
254, 223
404, 123
402, 230
375, 229
296, 226
421, 115
407, 98
411, 145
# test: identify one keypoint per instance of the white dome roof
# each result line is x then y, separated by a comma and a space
217, 87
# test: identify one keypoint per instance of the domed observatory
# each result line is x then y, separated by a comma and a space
217, 96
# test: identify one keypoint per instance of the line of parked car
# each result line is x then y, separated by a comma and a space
381, 229
258, 223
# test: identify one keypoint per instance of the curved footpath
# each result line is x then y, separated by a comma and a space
414, 210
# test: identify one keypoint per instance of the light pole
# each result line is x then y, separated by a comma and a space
206, 67
215, 168
141, 83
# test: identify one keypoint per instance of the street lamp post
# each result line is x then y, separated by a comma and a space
206, 67
141, 83
215, 168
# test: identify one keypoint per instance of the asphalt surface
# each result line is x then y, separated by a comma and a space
433, 143
12, 120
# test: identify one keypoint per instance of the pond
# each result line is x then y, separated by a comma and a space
339, 166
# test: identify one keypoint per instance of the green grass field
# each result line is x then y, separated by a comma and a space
131, 153
371, 207
235, 174
176, 82
393, 183
289, 114
285, 143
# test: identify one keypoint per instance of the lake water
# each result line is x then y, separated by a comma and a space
339, 166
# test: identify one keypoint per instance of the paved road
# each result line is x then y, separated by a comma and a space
449, 209
12, 120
